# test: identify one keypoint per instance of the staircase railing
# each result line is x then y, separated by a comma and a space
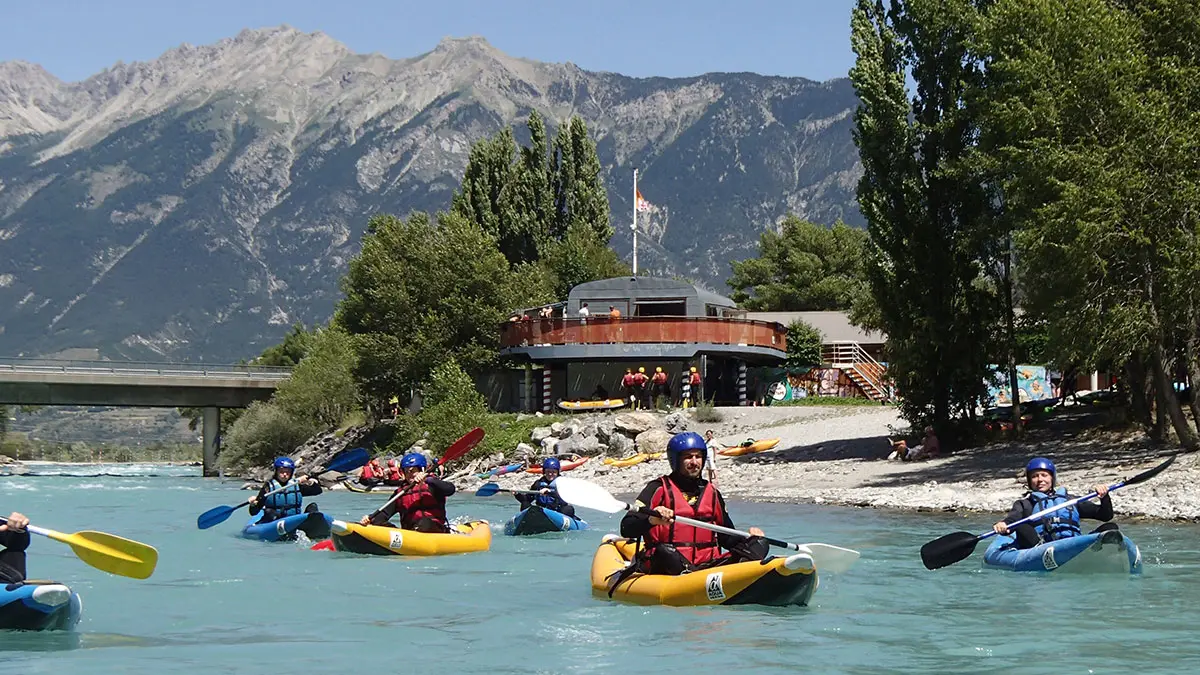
850, 354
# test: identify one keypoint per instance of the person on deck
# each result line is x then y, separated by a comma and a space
547, 496
422, 502
288, 502
676, 548
14, 539
661, 388
1041, 478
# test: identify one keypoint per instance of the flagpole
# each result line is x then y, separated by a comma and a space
635, 207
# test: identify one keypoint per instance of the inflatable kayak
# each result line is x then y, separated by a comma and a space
359, 487
501, 470
1101, 552
606, 404
566, 466
314, 525
382, 540
634, 460
536, 520
39, 605
777, 582
749, 447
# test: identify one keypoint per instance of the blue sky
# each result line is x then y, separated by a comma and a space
809, 38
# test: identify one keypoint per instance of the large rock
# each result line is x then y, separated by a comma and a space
676, 422
568, 430
556, 428
636, 423
620, 445
540, 433
580, 445
549, 446
526, 451
604, 428
653, 440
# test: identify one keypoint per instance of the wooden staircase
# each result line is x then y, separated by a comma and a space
866, 372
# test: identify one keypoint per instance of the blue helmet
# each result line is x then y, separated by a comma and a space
284, 463
1041, 464
551, 464
681, 443
414, 459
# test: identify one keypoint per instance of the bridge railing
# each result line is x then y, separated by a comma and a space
30, 365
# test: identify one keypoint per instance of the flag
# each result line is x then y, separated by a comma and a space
642, 204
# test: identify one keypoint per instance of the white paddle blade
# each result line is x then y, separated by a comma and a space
588, 495
830, 558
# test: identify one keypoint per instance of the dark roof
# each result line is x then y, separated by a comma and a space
645, 287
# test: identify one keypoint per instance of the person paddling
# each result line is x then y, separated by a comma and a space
547, 496
288, 502
1041, 478
676, 548
422, 502
14, 539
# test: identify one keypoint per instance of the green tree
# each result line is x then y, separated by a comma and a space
803, 344
579, 258
421, 291
803, 267
265, 431
929, 223
480, 197
451, 406
288, 353
579, 194
322, 386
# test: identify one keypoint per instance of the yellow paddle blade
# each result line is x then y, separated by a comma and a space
108, 552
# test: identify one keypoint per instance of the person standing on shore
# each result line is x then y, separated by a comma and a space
1041, 478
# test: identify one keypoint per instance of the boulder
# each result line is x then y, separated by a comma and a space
676, 422
526, 451
636, 423
556, 428
604, 429
580, 445
549, 445
620, 445
568, 430
588, 429
653, 440
539, 434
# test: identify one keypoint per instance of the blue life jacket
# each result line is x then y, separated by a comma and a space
286, 503
1062, 524
550, 501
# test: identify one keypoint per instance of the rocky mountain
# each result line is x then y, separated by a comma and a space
198, 204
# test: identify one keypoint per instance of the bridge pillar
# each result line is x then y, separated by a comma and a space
212, 432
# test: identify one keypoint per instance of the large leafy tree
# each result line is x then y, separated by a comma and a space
803, 267
422, 290
929, 223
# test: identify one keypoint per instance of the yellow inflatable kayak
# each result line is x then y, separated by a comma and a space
749, 447
606, 404
381, 540
636, 459
778, 582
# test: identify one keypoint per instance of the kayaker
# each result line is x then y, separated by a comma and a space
675, 548
393, 475
422, 502
372, 473
1041, 478
14, 539
286, 503
548, 497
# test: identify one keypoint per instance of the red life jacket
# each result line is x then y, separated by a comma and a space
659, 378
368, 473
393, 474
697, 545
418, 502
695, 379
639, 379
627, 381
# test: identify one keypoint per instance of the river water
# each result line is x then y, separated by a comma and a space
221, 604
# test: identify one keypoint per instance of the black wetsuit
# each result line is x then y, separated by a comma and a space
556, 505
12, 557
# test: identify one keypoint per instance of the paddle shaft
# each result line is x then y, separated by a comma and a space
715, 528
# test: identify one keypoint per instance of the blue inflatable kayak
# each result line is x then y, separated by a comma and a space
314, 525
1101, 552
536, 520
39, 605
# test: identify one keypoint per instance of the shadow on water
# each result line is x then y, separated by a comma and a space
61, 641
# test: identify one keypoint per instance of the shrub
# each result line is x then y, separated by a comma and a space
705, 412
264, 432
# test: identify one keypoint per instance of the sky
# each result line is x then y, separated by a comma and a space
74, 39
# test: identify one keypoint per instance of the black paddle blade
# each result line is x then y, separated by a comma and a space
1150, 473
487, 490
947, 550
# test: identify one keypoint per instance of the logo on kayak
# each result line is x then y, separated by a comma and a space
1048, 560
281, 527
716, 590
396, 540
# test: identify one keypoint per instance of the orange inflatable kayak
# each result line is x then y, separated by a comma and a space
749, 447
566, 466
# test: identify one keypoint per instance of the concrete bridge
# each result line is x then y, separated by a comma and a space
141, 385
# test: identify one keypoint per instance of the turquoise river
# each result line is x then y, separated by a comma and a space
221, 604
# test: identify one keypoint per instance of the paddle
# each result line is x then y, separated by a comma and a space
828, 558
956, 546
457, 449
344, 461
108, 552
490, 489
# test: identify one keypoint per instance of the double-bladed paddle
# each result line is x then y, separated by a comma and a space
347, 460
826, 557
457, 449
490, 489
956, 546
108, 552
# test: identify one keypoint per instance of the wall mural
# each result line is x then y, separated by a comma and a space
1033, 384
